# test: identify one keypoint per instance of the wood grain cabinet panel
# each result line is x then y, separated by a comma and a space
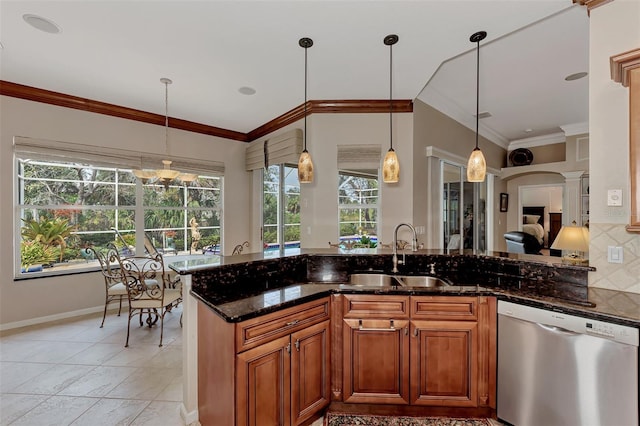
444, 308
376, 306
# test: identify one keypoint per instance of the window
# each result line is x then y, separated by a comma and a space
64, 207
280, 207
358, 205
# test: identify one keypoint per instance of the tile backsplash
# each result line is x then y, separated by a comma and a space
614, 276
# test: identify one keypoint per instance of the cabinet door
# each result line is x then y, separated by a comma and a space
376, 361
310, 372
444, 363
263, 385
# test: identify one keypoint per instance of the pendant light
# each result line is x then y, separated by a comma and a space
165, 175
390, 165
477, 165
305, 164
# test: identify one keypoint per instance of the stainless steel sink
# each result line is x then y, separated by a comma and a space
386, 280
422, 281
374, 280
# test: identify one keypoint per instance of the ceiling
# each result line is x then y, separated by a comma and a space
117, 51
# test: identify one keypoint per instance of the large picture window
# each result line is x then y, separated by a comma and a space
280, 207
65, 207
358, 206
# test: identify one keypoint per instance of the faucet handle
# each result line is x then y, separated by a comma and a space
432, 269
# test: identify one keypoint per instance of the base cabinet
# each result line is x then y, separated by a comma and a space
268, 371
435, 353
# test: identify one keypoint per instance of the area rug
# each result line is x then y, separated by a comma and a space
343, 419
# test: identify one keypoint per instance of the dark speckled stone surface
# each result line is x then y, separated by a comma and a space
242, 287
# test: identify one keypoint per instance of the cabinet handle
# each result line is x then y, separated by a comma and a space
288, 347
297, 345
294, 322
415, 332
362, 328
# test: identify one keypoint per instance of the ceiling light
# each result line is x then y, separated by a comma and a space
247, 90
390, 165
305, 164
166, 175
576, 76
477, 165
42, 24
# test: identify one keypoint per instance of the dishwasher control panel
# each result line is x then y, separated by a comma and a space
572, 323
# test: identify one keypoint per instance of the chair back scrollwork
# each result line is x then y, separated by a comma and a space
144, 278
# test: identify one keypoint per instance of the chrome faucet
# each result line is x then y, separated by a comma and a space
414, 246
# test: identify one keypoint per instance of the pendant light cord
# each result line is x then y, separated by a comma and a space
166, 117
305, 98
391, 96
477, 91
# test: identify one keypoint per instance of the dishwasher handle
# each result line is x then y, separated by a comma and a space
557, 330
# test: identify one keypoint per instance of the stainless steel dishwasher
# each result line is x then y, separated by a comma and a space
559, 369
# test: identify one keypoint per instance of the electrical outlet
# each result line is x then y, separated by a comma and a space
615, 254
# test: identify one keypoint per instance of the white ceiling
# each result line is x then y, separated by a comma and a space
117, 51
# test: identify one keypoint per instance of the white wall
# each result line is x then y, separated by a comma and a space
47, 297
614, 28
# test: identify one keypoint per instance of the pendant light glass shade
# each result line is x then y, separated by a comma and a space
390, 167
390, 164
477, 165
305, 164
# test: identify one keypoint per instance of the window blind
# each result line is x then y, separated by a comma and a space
280, 149
359, 157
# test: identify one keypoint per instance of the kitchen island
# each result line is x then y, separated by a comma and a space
241, 293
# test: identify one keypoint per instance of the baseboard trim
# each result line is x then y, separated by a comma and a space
189, 418
56, 317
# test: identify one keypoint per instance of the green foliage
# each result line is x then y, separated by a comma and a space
35, 253
366, 241
47, 232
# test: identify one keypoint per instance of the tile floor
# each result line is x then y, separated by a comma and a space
72, 372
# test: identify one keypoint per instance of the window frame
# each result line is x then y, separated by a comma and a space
359, 206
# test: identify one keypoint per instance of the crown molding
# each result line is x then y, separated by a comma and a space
550, 139
591, 4
575, 128
313, 107
622, 64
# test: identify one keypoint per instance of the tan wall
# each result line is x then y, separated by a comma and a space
548, 153
45, 297
614, 28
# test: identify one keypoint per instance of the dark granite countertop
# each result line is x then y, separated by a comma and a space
246, 286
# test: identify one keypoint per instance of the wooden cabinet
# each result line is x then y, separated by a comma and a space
436, 353
276, 367
376, 349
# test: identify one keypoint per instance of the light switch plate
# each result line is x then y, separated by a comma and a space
614, 197
615, 254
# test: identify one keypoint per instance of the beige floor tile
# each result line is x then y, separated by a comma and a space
96, 354
145, 383
95, 333
55, 352
98, 382
168, 357
134, 356
109, 412
54, 379
13, 406
160, 413
19, 350
173, 391
13, 374
56, 411
62, 332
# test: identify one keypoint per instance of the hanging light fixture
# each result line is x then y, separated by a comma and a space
305, 164
166, 175
390, 165
477, 165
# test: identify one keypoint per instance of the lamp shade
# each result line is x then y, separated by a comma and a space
305, 168
573, 238
390, 167
476, 166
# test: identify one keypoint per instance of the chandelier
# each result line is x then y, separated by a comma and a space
166, 175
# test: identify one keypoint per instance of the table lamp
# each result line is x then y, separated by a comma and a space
575, 239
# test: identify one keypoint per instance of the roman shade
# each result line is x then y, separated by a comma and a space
280, 149
359, 157
48, 150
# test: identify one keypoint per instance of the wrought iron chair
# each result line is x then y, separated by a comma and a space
142, 276
115, 290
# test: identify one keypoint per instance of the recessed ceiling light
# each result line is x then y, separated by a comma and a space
528, 130
576, 76
247, 90
485, 114
42, 24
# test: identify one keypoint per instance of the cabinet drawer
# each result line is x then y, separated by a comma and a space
256, 331
376, 306
447, 308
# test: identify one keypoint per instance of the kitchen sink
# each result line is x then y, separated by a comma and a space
386, 280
